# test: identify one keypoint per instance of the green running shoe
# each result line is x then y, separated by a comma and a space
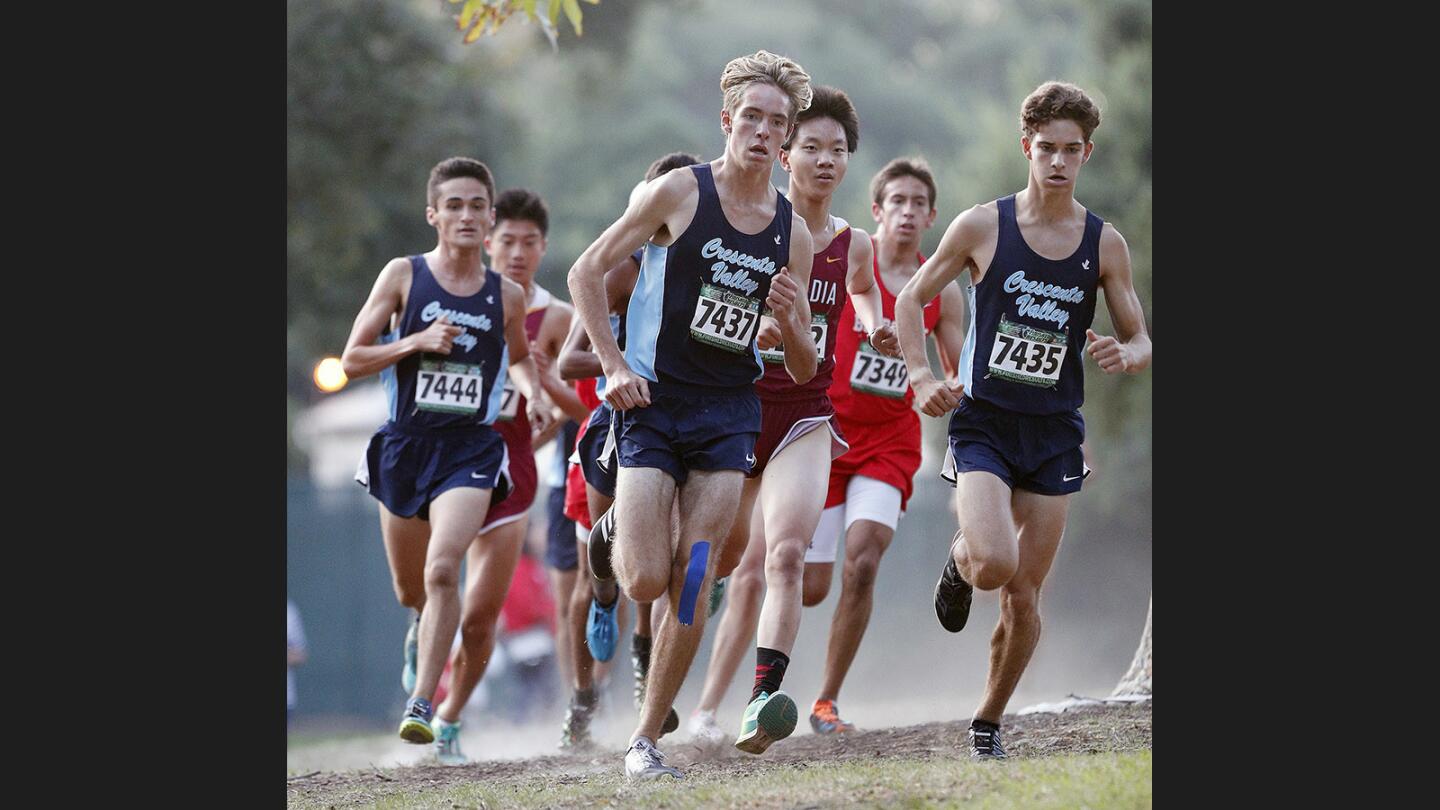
447, 744
767, 719
415, 725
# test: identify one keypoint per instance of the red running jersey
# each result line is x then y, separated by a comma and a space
868, 386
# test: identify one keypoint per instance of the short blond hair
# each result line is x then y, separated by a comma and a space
763, 66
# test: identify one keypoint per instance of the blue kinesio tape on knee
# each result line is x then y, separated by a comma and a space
694, 573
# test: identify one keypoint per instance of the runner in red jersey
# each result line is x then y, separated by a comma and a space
871, 484
798, 438
516, 246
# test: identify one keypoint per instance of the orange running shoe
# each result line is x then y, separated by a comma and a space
825, 719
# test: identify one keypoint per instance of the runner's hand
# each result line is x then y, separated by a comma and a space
540, 436
438, 337
543, 361
936, 397
769, 336
625, 389
885, 340
1111, 354
783, 292
539, 411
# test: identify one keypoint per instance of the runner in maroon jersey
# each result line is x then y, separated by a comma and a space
871, 484
516, 247
797, 440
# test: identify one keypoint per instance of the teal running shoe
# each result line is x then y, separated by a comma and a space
447, 744
768, 718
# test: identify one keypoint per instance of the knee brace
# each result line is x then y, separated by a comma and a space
694, 575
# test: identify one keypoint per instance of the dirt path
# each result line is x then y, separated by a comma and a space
1085, 729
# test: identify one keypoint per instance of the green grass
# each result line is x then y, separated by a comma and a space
1105, 780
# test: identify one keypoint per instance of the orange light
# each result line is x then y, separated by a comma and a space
329, 376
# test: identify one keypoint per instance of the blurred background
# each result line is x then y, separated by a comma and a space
378, 91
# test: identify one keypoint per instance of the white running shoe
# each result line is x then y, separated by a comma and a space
644, 761
705, 732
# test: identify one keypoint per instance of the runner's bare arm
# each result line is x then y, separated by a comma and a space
361, 356
576, 360
558, 318
1131, 353
954, 255
660, 204
522, 366
789, 299
950, 329
865, 293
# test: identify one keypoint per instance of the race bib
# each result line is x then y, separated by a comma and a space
448, 387
724, 319
874, 373
1027, 355
509, 402
818, 330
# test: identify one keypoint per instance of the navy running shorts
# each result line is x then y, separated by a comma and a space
1037, 453
688, 428
596, 465
405, 468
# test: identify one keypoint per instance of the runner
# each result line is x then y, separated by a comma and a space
871, 484
516, 247
797, 441
720, 242
436, 465
590, 493
1035, 259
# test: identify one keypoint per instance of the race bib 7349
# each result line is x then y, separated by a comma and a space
874, 373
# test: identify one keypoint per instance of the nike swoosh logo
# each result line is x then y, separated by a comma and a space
829, 259
1069, 478
473, 475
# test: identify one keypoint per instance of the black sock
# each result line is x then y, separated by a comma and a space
984, 725
641, 645
586, 697
769, 671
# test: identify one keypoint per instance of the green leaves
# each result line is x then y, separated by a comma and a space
480, 17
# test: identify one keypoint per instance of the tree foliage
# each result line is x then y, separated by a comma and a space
480, 17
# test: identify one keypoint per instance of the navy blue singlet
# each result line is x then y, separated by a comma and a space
464, 387
696, 307
1026, 341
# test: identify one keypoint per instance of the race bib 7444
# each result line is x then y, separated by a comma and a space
448, 387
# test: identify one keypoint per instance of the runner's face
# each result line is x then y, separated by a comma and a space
904, 211
516, 248
461, 212
757, 126
818, 156
1056, 154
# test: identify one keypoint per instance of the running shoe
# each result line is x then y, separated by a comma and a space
825, 719
705, 732
768, 719
415, 725
644, 761
412, 655
984, 743
447, 744
601, 630
575, 733
952, 598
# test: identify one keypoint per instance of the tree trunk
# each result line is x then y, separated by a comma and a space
1137, 680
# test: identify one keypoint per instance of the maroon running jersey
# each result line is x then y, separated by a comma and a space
827, 300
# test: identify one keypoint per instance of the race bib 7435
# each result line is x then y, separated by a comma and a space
1027, 355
